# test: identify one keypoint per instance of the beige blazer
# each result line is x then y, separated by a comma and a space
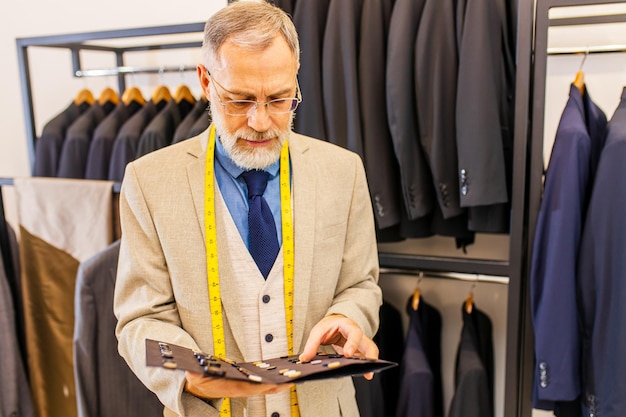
161, 290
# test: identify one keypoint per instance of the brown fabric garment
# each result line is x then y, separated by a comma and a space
62, 222
49, 318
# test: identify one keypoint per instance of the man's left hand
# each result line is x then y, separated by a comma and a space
345, 336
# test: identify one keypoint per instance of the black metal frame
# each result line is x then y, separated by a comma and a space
76, 43
536, 163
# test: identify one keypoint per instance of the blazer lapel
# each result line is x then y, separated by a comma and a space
304, 192
195, 173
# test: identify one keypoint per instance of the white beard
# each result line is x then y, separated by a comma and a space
248, 157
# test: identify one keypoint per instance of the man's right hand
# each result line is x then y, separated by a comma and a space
210, 388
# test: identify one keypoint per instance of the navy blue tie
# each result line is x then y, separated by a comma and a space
262, 238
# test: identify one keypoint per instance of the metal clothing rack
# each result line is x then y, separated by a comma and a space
78, 42
519, 348
536, 160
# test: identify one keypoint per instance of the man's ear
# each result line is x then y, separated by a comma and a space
205, 81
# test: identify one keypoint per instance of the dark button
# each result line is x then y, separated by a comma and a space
266, 298
275, 414
269, 337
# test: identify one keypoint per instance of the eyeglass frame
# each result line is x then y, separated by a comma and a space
295, 100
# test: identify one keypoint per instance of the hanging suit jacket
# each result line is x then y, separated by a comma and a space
379, 397
183, 130
99, 155
48, 146
415, 178
601, 284
390, 342
421, 390
484, 112
127, 140
341, 90
435, 91
310, 21
473, 378
380, 161
160, 131
287, 5
567, 186
73, 160
15, 396
105, 386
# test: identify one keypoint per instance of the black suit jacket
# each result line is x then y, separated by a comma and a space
184, 128
435, 90
99, 155
473, 379
73, 160
49, 144
601, 283
105, 385
340, 68
421, 391
380, 162
160, 131
125, 146
310, 21
484, 110
415, 177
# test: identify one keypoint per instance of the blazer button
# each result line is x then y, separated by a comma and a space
266, 298
269, 337
275, 414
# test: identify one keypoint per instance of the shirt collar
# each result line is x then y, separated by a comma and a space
233, 169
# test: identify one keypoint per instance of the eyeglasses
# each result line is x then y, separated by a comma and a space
247, 107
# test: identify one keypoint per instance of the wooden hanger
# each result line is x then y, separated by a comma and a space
579, 81
183, 93
133, 94
108, 95
161, 93
469, 301
415, 300
84, 96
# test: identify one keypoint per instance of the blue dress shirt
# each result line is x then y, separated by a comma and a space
235, 192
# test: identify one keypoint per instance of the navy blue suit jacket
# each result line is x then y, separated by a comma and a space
420, 380
580, 136
601, 278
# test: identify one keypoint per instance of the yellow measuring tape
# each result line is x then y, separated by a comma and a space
215, 301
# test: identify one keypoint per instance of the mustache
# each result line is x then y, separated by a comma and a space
253, 135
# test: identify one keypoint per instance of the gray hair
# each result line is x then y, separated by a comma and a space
248, 24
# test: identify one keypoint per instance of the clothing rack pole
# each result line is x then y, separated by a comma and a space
132, 70
602, 49
447, 275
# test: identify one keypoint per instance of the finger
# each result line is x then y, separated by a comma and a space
368, 348
353, 341
369, 376
316, 337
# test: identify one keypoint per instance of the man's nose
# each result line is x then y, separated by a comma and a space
259, 118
